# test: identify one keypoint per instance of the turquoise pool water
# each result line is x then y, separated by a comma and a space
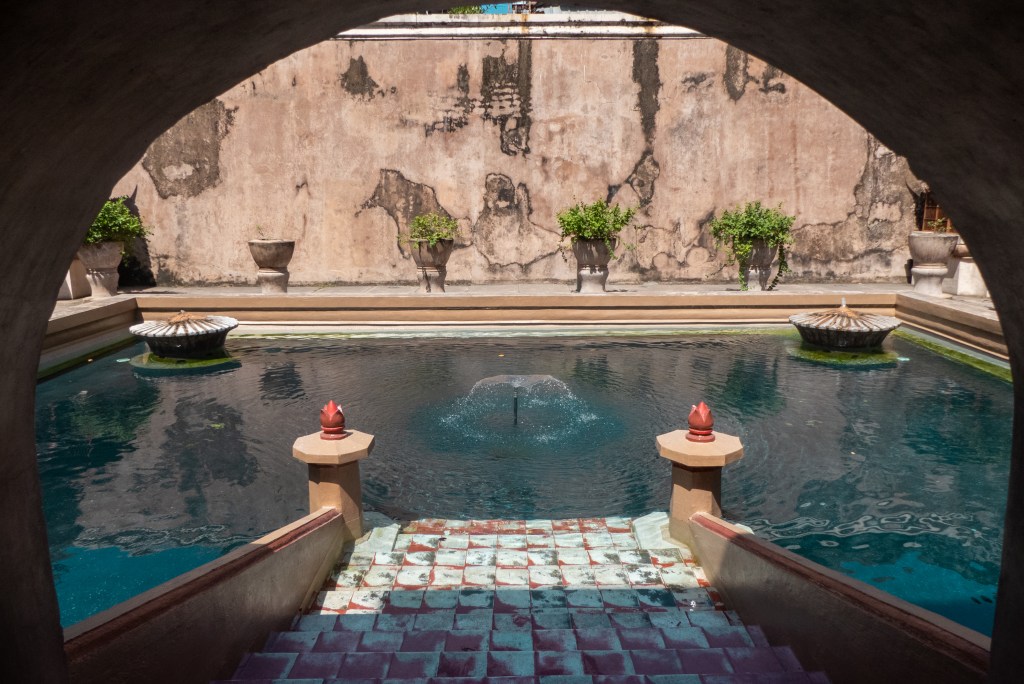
893, 475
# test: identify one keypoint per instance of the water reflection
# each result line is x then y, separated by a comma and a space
845, 465
281, 381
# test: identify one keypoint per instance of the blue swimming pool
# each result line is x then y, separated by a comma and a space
895, 475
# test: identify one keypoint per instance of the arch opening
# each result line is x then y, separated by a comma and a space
91, 88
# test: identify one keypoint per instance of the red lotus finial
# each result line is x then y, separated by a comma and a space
332, 420
701, 421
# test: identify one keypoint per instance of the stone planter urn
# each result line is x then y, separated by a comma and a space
592, 257
762, 255
100, 261
75, 285
963, 277
931, 252
431, 262
272, 257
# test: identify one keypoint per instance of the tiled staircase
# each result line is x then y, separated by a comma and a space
507, 601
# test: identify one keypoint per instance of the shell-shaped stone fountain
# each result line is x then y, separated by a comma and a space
186, 335
843, 328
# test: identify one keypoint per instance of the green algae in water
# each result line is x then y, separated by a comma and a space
151, 363
872, 358
946, 350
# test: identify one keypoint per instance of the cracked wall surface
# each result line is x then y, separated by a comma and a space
341, 145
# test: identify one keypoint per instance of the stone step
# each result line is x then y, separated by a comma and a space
461, 640
518, 568
741, 678
422, 665
580, 601
544, 618
509, 600
771, 678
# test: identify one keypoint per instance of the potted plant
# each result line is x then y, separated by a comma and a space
431, 241
271, 256
754, 235
109, 237
930, 250
593, 231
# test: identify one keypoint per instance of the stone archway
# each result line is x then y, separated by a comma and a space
87, 88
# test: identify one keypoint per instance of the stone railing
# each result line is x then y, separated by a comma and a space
196, 627
852, 631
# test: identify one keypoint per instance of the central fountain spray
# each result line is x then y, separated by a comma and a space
545, 411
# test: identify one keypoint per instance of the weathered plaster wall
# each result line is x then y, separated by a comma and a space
340, 145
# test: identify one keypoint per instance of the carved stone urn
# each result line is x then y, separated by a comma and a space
592, 258
931, 252
100, 261
432, 263
272, 257
762, 255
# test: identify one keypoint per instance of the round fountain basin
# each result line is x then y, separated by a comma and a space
186, 336
843, 328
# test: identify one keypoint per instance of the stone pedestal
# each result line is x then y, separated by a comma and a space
334, 474
963, 278
696, 476
272, 256
272, 280
75, 285
592, 259
432, 278
591, 279
100, 261
928, 280
931, 252
432, 263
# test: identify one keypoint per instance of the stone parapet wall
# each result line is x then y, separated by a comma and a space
339, 146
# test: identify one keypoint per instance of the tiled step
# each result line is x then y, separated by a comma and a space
490, 568
338, 601
522, 619
771, 678
420, 665
461, 640
513, 601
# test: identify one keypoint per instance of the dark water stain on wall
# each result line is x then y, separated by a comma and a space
185, 160
736, 72
504, 234
456, 115
356, 81
737, 75
403, 200
696, 81
869, 237
646, 75
505, 96
770, 82
643, 176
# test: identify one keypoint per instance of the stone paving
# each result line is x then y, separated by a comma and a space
510, 601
